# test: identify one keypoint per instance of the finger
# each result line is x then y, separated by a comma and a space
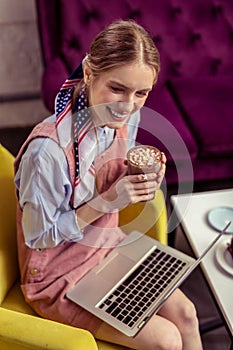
140, 178
144, 177
145, 185
150, 177
143, 197
163, 158
162, 170
147, 189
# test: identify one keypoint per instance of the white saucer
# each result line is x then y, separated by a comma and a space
219, 217
223, 256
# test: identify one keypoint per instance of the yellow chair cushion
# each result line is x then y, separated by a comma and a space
21, 332
8, 256
147, 217
20, 328
15, 301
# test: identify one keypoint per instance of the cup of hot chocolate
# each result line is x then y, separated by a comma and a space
143, 159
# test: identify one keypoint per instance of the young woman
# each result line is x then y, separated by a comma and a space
71, 178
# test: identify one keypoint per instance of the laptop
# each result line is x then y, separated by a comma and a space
134, 281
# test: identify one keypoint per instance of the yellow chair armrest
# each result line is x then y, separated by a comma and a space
147, 217
21, 331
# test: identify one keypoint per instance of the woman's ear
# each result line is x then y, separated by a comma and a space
87, 75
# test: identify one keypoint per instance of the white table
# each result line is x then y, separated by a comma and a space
191, 211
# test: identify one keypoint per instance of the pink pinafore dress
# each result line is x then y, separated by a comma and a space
47, 274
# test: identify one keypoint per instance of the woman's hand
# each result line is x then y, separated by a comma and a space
134, 188
127, 190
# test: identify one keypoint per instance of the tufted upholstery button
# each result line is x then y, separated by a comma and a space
217, 61
92, 14
157, 39
215, 65
217, 9
176, 10
195, 37
34, 271
74, 43
176, 67
177, 64
133, 14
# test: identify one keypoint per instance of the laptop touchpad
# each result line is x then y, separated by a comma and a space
115, 268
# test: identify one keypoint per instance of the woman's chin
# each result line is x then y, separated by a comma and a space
115, 125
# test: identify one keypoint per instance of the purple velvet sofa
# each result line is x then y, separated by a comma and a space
194, 95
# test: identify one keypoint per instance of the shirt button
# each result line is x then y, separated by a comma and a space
39, 250
33, 271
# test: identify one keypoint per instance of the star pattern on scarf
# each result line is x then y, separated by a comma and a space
79, 120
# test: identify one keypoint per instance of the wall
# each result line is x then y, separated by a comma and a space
21, 65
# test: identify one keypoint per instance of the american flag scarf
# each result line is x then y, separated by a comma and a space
77, 126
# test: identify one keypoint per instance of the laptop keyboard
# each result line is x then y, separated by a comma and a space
136, 294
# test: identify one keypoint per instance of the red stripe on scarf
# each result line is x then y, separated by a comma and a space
84, 130
69, 83
64, 113
92, 170
77, 181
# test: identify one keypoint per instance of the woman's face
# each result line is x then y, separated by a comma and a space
116, 94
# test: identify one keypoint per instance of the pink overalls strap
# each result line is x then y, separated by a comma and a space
112, 159
47, 129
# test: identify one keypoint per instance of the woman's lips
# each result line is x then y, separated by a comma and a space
119, 116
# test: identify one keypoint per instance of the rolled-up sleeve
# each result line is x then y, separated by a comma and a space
45, 190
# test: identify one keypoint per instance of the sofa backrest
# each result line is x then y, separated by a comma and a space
195, 38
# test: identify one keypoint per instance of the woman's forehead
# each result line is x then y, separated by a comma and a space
132, 74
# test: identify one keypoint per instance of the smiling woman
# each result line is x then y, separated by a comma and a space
72, 180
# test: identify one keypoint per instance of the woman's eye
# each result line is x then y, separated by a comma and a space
142, 93
115, 89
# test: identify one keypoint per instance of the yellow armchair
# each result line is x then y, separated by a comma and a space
20, 327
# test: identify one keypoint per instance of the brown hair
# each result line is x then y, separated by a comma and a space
122, 42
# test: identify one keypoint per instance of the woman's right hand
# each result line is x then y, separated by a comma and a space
131, 189
127, 190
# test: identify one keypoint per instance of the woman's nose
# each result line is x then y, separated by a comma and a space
126, 106
129, 98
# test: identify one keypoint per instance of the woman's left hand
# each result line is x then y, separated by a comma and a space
162, 170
